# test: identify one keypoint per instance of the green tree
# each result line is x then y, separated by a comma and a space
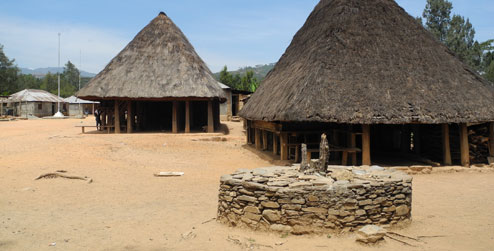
460, 38
71, 75
248, 82
49, 83
489, 73
27, 82
437, 15
226, 77
8, 74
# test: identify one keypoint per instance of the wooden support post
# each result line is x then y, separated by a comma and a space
187, 116
130, 117
247, 131
264, 140
446, 146
491, 139
464, 147
174, 117
416, 139
284, 146
258, 138
366, 158
93, 108
210, 117
117, 116
353, 144
275, 144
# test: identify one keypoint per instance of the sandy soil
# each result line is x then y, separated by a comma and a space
126, 208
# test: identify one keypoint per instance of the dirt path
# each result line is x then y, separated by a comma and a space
126, 208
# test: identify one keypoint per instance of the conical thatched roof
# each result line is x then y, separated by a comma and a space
158, 63
366, 62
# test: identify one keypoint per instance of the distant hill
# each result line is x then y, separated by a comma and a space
41, 72
260, 71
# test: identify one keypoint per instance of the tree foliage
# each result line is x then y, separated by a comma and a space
437, 17
8, 74
245, 82
458, 34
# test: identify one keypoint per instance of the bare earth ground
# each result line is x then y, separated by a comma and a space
126, 208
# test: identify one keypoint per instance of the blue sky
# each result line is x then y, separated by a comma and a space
235, 33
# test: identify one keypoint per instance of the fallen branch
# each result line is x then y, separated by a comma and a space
168, 174
400, 241
212, 219
59, 175
431, 236
404, 236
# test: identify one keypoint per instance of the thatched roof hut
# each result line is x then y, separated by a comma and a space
369, 62
158, 65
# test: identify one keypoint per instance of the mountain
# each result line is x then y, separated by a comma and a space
41, 72
260, 71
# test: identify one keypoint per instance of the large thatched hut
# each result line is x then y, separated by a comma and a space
157, 82
371, 77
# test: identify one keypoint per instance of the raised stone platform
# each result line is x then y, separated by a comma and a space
283, 199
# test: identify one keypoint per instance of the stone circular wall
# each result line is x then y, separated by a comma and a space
283, 199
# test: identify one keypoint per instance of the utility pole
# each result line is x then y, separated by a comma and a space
80, 69
58, 114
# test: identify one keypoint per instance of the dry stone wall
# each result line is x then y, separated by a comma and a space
283, 199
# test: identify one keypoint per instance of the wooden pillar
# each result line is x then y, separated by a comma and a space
353, 144
416, 139
446, 146
174, 117
247, 131
210, 117
258, 138
275, 144
1, 108
284, 146
464, 147
366, 157
93, 108
130, 116
117, 116
187, 116
264, 140
491, 139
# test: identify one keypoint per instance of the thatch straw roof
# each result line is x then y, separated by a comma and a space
367, 62
159, 63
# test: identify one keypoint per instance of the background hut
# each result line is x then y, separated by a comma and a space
157, 82
31, 102
79, 107
365, 69
234, 102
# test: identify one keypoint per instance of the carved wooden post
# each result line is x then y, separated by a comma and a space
304, 165
130, 117
323, 154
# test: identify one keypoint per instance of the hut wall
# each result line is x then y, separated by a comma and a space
38, 109
226, 107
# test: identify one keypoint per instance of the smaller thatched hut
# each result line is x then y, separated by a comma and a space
365, 69
31, 102
157, 82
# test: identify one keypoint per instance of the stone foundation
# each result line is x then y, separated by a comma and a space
283, 199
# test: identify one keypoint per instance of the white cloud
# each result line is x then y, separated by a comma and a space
35, 44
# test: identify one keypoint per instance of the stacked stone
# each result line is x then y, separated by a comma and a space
282, 199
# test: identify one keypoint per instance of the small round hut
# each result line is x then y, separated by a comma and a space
371, 77
157, 83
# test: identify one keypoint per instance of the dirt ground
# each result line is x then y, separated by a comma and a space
127, 208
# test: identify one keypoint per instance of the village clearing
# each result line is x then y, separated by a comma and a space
126, 207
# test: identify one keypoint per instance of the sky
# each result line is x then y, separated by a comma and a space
235, 33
